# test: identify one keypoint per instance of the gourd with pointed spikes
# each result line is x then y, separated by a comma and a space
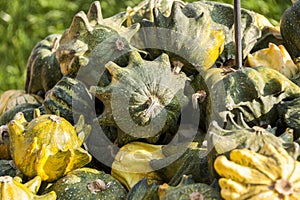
191, 40
256, 92
93, 41
143, 100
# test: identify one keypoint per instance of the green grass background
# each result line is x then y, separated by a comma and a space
24, 23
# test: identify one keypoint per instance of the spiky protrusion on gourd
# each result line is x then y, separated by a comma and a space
143, 99
144, 10
89, 36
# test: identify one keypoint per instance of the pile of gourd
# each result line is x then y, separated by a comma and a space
148, 104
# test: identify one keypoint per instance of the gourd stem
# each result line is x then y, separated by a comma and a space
238, 34
153, 107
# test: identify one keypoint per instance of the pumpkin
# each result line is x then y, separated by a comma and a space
13, 189
42, 68
242, 136
270, 173
11, 98
275, 57
47, 146
88, 183
289, 29
70, 97
92, 41
24, 99
143, 100
6, 96
199, 34
186, 189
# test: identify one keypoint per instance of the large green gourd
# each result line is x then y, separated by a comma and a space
255, 92
143, 100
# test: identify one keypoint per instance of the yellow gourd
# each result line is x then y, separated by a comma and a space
269, 174
275, 57
13, 189
47, 146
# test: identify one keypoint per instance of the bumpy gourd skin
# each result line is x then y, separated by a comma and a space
269, 174
13, 189
87, 183
47, 146
143, 99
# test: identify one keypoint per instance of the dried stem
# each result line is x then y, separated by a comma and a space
238, 34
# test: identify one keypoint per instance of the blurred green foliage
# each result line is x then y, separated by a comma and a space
24, 23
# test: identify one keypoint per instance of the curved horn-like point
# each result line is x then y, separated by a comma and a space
176, 12
104, 94
164, 58
79, 24
34, 184
135, 58
94, 14
115, 70
116, 20
131, 31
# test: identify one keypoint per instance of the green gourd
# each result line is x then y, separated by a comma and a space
89, 184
